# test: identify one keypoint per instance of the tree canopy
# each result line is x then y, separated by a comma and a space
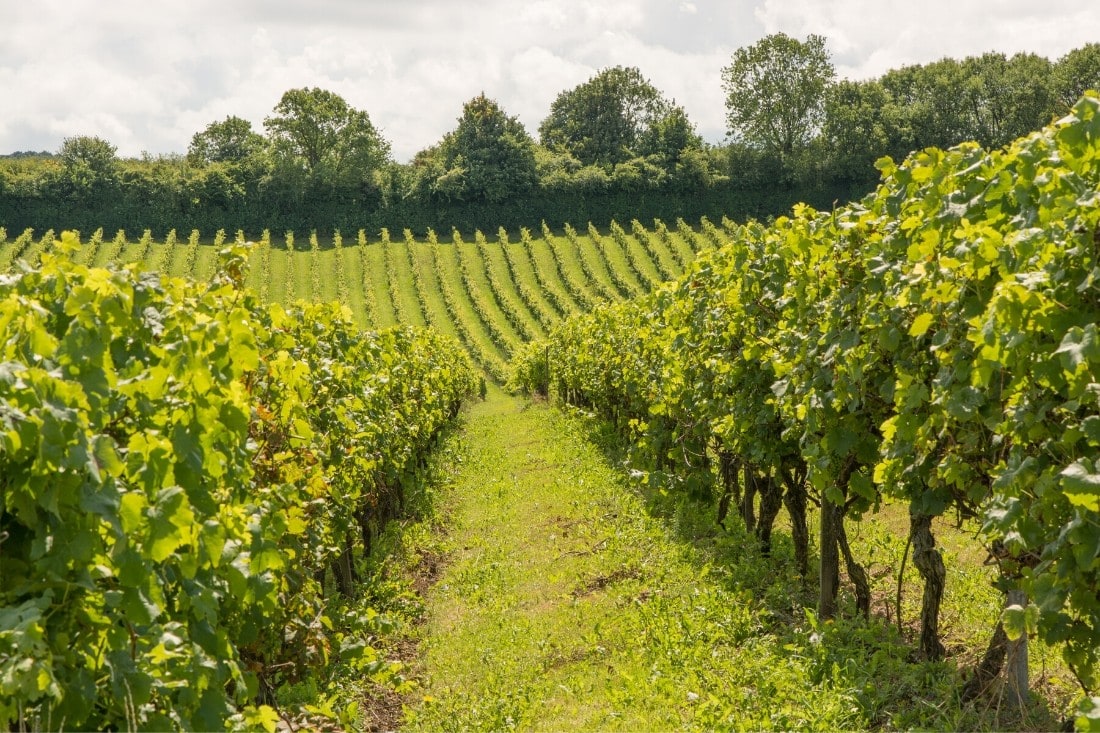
488, 157
775, 92
317, 130
88, 162
1077, 72
607, 119
231, 140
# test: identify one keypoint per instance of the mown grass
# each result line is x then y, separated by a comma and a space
568, 592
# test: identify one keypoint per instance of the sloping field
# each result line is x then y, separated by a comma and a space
491, 291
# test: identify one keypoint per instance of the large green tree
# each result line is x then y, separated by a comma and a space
862, 124
89, 162
488, 157
1077, 72
775, 93
1007, 97
231, 140
991, 98
318, 131
607, 119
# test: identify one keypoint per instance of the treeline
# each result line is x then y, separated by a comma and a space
613, 147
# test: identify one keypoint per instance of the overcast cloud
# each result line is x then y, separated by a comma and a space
147, 75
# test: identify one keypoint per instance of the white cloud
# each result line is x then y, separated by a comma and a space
147, 76
869, 37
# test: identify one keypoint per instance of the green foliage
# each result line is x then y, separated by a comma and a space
863, 122
612, 148
177, 462
89, 163
1076, 73
612, 117
317, 130
935, 341
231, 140
991, 99
775, 92
488, 157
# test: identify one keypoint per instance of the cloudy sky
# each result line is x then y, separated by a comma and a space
147, 74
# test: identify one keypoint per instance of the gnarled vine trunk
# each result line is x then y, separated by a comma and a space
794, 498
748, 498
731, 489
856, 573
771, 501
929, 563
832, 528
830, 559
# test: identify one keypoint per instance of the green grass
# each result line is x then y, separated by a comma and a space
374, 280
324, 274
620, 269
593, 262
525, 313
569, 593
430, 297
550, 292
553, 279
580, 267
469, 326
642, 262
403, 285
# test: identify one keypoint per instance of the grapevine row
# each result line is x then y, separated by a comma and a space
181, 466
935, 343
390, 265
649, 245
485, 357
602, 247
477, 302
545, 316
602, 290
575, 290
497, 293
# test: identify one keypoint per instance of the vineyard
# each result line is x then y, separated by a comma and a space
934, 344
188, 476
194, 467
493, 295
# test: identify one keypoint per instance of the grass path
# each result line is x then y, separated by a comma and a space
564, 605
559, 594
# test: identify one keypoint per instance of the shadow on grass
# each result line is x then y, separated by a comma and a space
868, 659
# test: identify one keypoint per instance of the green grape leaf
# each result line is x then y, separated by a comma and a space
170, 523
920, 325
1081, 485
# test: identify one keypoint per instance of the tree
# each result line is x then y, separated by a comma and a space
930, 97
669, 137
230, 141
318, 131
1076, 72
862, 124
489, 156
991, 98
602, 121
1007, 98
88, 161
775, 93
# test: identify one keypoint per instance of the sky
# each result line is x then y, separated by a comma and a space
146, 75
